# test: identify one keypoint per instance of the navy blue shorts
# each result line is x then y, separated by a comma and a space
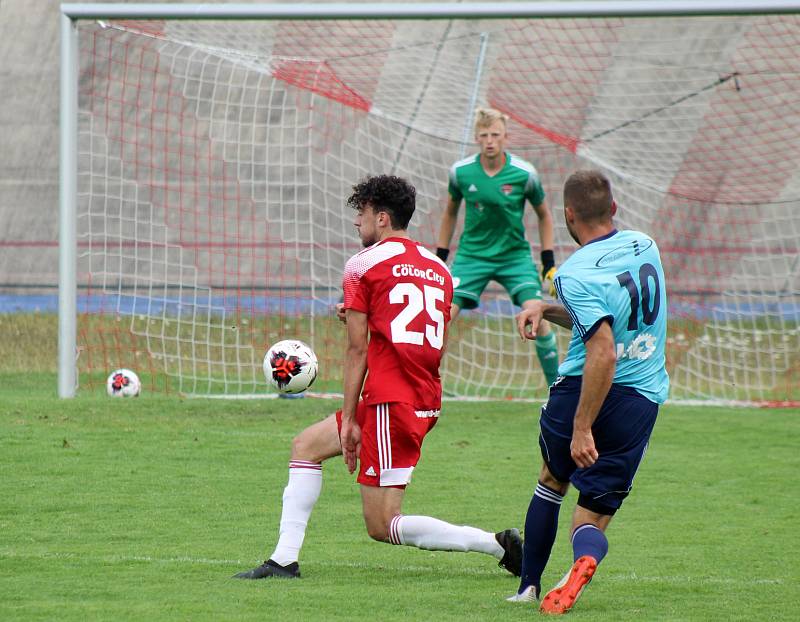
621, 434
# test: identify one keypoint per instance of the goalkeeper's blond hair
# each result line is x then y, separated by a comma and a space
484, 117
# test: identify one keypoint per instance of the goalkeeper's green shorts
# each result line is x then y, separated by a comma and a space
517, 274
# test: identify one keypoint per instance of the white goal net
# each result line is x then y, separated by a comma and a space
215, 157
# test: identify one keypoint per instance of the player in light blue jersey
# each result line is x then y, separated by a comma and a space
597, 422
618, 277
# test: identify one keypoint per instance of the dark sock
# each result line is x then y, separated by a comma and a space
541, 524
589, 540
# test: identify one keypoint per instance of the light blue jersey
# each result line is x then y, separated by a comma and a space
619, 276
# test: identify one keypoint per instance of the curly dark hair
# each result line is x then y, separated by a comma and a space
386, 193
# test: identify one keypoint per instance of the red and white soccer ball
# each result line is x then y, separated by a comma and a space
123, 383
290, 366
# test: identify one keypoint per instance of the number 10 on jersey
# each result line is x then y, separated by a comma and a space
416, 300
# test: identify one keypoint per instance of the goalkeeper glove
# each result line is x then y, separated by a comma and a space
549, 270
442, 253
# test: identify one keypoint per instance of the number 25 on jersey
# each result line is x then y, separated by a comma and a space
416, 300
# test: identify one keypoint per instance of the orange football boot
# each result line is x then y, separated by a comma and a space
563, 596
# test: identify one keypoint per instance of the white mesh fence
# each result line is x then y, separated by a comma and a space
215, 159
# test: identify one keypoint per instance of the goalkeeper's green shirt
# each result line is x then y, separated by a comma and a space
495, 206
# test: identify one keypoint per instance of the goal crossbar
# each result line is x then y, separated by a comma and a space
421, 10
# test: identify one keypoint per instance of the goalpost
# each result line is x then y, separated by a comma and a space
206, 152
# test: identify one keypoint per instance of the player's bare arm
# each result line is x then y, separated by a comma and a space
557, 314
448, 225
545, 218
529, 318
355, 370
598, 374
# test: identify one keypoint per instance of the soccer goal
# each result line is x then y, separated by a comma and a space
207, 151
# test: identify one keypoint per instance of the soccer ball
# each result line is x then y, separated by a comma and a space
291, 366
123, 383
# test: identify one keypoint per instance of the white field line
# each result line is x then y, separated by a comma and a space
616, 578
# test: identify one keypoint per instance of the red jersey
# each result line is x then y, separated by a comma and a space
406, 292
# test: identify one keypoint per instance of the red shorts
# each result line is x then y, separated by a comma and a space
391, 440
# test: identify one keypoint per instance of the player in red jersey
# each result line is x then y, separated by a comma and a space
397, 297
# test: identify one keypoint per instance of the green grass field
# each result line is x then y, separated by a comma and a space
143, 509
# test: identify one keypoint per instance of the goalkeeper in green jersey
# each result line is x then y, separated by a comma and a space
495, 184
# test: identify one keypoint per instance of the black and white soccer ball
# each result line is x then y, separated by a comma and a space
290, 366
123, 383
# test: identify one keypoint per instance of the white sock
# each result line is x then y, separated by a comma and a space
433, 534
299, 498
